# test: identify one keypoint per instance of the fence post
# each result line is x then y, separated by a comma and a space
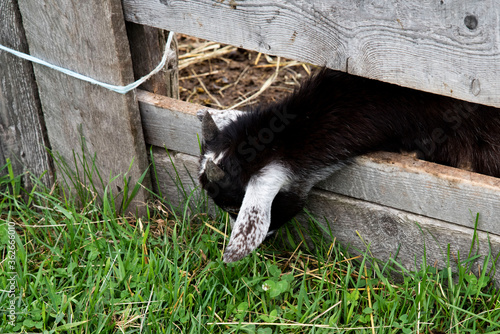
88, 37
147, 45
22, 130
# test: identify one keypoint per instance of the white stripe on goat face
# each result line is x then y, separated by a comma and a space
222, 118
254, 218
210, 156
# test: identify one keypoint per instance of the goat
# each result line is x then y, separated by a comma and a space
260, 165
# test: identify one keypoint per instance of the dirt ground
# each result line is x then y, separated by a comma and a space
222, 76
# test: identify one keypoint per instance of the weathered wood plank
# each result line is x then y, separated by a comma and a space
444, 47
388, 232
170, 122
147, 46
177, 176
389, 179
421, 187
87, 37
22, 129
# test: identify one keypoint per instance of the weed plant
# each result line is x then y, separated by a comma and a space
81, 266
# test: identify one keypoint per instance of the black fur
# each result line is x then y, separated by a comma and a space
336, 116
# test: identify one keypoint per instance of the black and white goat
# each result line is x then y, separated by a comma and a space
260, 165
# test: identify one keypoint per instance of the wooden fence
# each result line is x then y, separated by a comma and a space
396, 204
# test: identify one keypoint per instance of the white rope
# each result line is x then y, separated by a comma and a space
115, 88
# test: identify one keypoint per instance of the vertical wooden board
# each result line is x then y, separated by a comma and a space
147, 46
22, 129
398, 234
88, 37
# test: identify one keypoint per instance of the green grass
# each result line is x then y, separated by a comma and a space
81, 266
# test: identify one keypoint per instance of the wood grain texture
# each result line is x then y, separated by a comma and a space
444, 47
22, 129
177, 174
88, 37
147, 46
170, 123
392, 233
421, 187
389, 179
388, 232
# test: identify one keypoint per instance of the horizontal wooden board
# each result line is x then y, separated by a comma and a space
177, 173
444, 47
177, 176
389, 179
390, 233
421, 187
169, 122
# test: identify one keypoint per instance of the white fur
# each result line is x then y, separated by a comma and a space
222, 118
254, 218
209, 156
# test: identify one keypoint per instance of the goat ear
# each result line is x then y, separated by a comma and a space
201, 113
209, 129
214, 172
222, 118
254, 218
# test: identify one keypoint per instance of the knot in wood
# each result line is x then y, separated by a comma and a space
475, 87
470, 22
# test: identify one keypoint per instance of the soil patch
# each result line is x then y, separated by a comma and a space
223, 76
